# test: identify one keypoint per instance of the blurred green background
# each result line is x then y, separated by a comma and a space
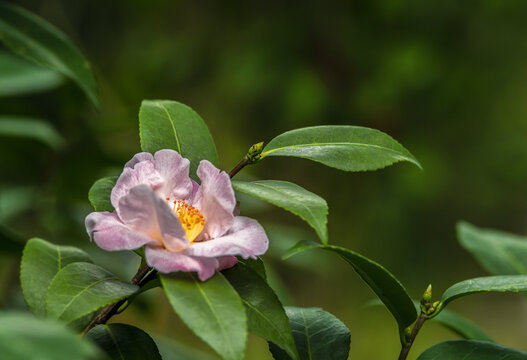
447, 79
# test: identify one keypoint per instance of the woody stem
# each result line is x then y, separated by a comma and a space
245, 161
144, 274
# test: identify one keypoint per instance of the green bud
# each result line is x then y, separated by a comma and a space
254, 152
432, 308
407, 334
427, 296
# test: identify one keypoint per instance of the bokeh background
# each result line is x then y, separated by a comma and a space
448, 79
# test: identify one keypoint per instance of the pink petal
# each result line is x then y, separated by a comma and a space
110, 234
173, 168
195, 188
142, 156
167, 262
142, 173
226, 262
148, 214
215, 200
246, 238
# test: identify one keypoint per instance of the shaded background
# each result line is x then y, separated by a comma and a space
447, 79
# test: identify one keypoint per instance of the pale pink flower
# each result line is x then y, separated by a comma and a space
183, 226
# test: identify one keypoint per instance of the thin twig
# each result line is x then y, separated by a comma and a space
252, 156
139, 279
245, 161
418, 324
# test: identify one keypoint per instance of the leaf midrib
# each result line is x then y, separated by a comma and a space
224, 333
171, 121
306, 331
82, 292
266, 153
114, 341
267, 319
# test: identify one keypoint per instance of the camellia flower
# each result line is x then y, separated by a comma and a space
183, 226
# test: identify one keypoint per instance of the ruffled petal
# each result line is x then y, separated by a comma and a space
174, 169
167, 262
148, 214
142, 173
142, 156
110, 234
246, 238
215, 200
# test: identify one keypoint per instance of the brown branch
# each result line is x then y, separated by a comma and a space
143, 275
245, 161
418, 324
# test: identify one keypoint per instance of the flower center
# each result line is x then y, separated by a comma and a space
191, 219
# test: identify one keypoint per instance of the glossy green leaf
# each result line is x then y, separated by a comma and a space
41, 261
82, 288
173, 350
265, 315
318, 335
30, 128
499, 253
124, 342
19, 76
504, 283
461, 326
99, 194
308, 206
165, 124
212, 310
349, 148
256, 265
23, 337
33, 38
471, 350
389, 290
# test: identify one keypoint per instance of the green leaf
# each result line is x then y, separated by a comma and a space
82, 288
504, 283
256, 265
318, 335
99, 194
471, 350
30, 128
212, 310
349, 148
19, 76
165, 124
461, 326
33, 38
389, 290
265, 314
41, 261
124, 342
23, 336
498, 252
308, 206
173, 350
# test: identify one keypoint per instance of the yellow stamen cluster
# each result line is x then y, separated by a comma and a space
191, 219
